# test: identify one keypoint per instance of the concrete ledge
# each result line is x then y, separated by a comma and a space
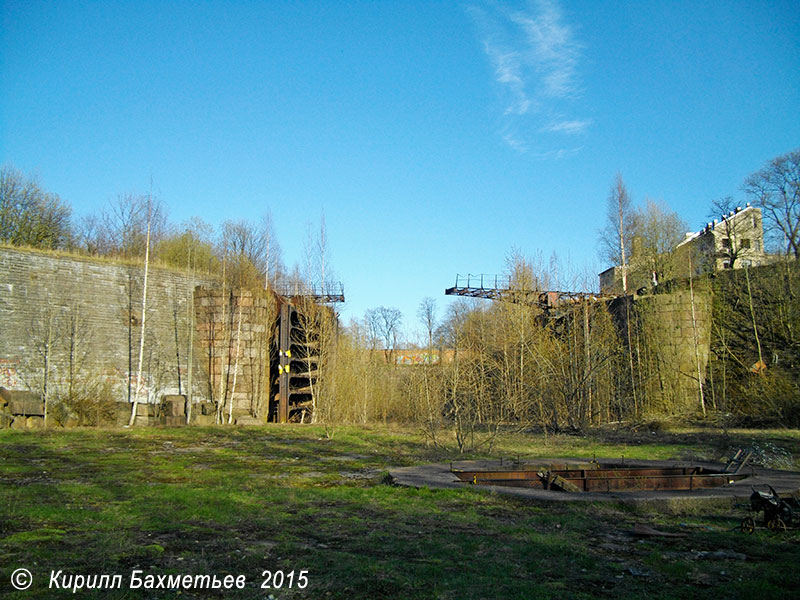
440, 476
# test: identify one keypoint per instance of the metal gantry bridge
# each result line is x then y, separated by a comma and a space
322, 293
501, 287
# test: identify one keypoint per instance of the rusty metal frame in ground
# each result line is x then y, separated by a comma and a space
441, 476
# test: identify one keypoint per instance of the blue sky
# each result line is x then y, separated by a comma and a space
434, 136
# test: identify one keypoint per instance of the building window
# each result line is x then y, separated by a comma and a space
757, 245
726, 265
726, 243
746, 243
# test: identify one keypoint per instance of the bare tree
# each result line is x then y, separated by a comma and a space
135, 404
78, 345
776, 189
243, 251
318, 272
237, 356
45, 333
129, 223
615, 237
252, 252
385, 324
273, 266
89, 237
426, 313
657, 230
733, 229
318, 322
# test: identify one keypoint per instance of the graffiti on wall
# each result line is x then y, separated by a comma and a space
9, 377
421, 357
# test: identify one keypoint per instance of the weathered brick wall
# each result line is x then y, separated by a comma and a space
236, 331
91, 310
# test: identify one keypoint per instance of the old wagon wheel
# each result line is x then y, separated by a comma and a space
776, 525
748, 525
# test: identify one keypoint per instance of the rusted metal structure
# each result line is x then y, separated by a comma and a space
737, 462
697, 480
780, 512
608, 477
500, 287
330, 291
297, 340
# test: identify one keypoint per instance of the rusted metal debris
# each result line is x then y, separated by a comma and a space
606, 478
499, 287
737, 461
553, 481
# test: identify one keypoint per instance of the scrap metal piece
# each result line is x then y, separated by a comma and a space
555, 481
737, 461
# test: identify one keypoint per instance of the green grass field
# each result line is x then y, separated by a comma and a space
232, 501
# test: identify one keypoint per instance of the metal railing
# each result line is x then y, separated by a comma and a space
329, 291
483, 281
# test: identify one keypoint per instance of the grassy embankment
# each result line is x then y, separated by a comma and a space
240, 501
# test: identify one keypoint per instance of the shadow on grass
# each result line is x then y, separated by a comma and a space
241, 501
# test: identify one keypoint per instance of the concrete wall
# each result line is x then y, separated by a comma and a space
90, 313
671, 338
678, 331
235, 338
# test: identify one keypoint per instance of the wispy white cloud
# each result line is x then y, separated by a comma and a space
559, 154
551, 48
509, 73
574, 126
535, 56
514, 142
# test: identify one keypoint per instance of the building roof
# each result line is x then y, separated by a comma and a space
711, 225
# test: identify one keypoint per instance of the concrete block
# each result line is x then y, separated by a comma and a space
173, 398
173, 405
170, 421
34, 422
23, 403
248, 421
206, 408
203, 420
145, 410
122, 413
239, 411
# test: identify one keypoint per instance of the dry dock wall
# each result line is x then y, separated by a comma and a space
77, 321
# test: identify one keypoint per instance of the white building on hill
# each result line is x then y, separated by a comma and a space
733, 241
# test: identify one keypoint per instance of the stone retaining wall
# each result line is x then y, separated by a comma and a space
78, 320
